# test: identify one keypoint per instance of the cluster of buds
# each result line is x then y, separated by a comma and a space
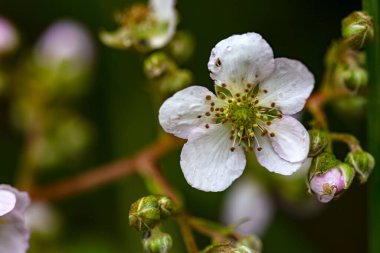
329, 177
249, 244
146, 214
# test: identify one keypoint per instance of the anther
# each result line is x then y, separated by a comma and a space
259, 148
221, 109
249, 85
207, 126
237, 94
199, 116
273, 104
208, 97
272, 135
232, 149
212, 103
224, 85
256, 101
269, 123
265, 91
218, 63
208, 113
212, 109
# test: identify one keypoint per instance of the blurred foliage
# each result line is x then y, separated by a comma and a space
126, 120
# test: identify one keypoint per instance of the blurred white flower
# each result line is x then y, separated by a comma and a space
248, 201
14, 236
66, 42
9, 38
255, 94
144, 27
41, 218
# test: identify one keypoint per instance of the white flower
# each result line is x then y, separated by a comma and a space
14, 235
255, 94
66, 42
248, 202
144, 27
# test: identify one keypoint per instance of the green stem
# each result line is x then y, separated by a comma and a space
373, 64
349, 139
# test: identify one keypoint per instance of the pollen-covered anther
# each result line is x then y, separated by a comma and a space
207, 113
208, 97
272, 134
232, 149
273, 104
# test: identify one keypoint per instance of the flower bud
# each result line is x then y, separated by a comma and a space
357, 29
156, 65
355, 78
251, 242
225, 248
175, 81
363, 163
167, 207
9, 39
182, 46
67, 44
144, 213
318, 142
329, 177
157, 242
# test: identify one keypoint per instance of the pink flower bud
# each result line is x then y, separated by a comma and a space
65, 41
326, 186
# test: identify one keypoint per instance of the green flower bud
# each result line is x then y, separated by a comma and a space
224, 248
251, 242
156, 65
357, 29
156, 241
355, 78
145, 213
182, 46
363, 163
175, 81
319, 139
167, 206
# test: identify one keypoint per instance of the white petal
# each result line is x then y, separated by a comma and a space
207, 161
248, 201
269, 159
14, 235
7, 202
165, 12
291, 141
163, 9
288, 86
240, 60
178, 115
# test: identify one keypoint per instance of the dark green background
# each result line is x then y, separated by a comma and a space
120, 107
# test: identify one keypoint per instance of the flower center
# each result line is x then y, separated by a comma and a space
244, 113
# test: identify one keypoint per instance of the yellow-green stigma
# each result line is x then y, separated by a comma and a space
244, 113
